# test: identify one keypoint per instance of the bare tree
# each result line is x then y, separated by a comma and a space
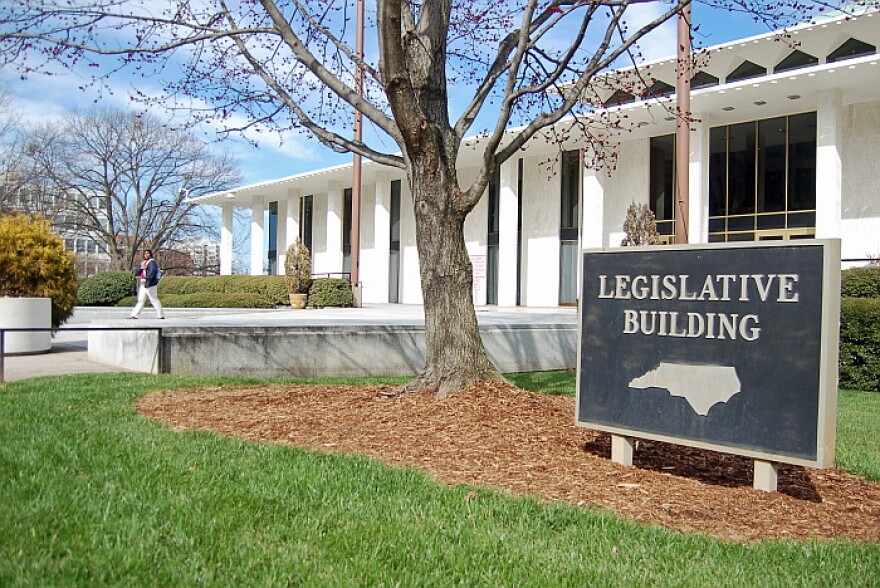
123, 180
291, 63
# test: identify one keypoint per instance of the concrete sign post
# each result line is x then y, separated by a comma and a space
730, 347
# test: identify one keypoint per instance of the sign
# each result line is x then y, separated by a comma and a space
731, 347
478, 263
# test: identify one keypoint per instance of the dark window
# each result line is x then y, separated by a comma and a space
802, 162
660, 88
346, 230
494, 195
568, 226
851, 48
306, 208
394, 254
741, 169
703, 80
519, 210
771, 164
272, 254
619, 97
662, 183
762, 179
718, 175
746, 70
796, 59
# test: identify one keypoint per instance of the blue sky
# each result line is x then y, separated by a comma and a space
46, 99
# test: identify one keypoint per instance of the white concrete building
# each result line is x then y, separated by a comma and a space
785, 145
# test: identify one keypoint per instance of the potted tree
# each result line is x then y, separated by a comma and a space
298, 273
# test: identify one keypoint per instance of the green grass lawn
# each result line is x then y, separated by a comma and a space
92, 493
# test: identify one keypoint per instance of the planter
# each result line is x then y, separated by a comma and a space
298, 301
18, 313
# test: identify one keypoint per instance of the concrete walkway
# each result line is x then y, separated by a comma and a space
69, 354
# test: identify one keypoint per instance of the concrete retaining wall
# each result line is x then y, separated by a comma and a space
317, 351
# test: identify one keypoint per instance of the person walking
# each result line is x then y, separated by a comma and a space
148, 282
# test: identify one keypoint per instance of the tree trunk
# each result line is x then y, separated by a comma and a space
456, 357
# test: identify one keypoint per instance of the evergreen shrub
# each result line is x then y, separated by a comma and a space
34, 264
271, 287
860, 282
106, 288
860, 344
330, 292
209, 300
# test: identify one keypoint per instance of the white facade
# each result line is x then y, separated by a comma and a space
815, 143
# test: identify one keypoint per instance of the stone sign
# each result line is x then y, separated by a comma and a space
730, 347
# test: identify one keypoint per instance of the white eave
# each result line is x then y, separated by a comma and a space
765, 96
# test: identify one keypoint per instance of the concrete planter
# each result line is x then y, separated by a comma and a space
298, 301
17, 313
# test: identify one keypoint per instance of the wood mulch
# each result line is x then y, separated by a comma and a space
521, 442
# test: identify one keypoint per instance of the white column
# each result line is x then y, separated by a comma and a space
280, 237
335, 205
226, 240
508, 207
829, 169
290, 225
593, 210
375, 277
698, 202
258, 254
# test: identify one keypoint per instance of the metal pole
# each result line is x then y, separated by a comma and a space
683, 125
2, 356
356, 175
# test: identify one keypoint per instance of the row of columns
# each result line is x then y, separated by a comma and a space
594, 228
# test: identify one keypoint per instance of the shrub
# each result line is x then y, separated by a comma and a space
271, 287
298, 268
34, 264
209, 300
640, 226
107, 288
860, 282
330, 292
860, 343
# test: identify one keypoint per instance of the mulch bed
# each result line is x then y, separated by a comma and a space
521, 442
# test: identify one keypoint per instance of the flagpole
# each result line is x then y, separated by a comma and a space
682, 125
356, 164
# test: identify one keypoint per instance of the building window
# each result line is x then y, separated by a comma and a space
762, 179
662, 183
745, 71
703, 80
346, 230
306, 207
619, 97
494, 195
394, 254
569, 220
850, 49
795, 60
660, 88
272, 255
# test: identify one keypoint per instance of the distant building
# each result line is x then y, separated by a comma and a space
784, 145
205, 255
18, 196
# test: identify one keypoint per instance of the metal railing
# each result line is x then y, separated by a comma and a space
159, 362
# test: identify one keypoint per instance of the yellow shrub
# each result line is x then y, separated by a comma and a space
33, 263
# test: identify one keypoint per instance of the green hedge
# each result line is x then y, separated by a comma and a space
860, 282
330, 292
860, 344
106, 288
209, 300
272, 287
